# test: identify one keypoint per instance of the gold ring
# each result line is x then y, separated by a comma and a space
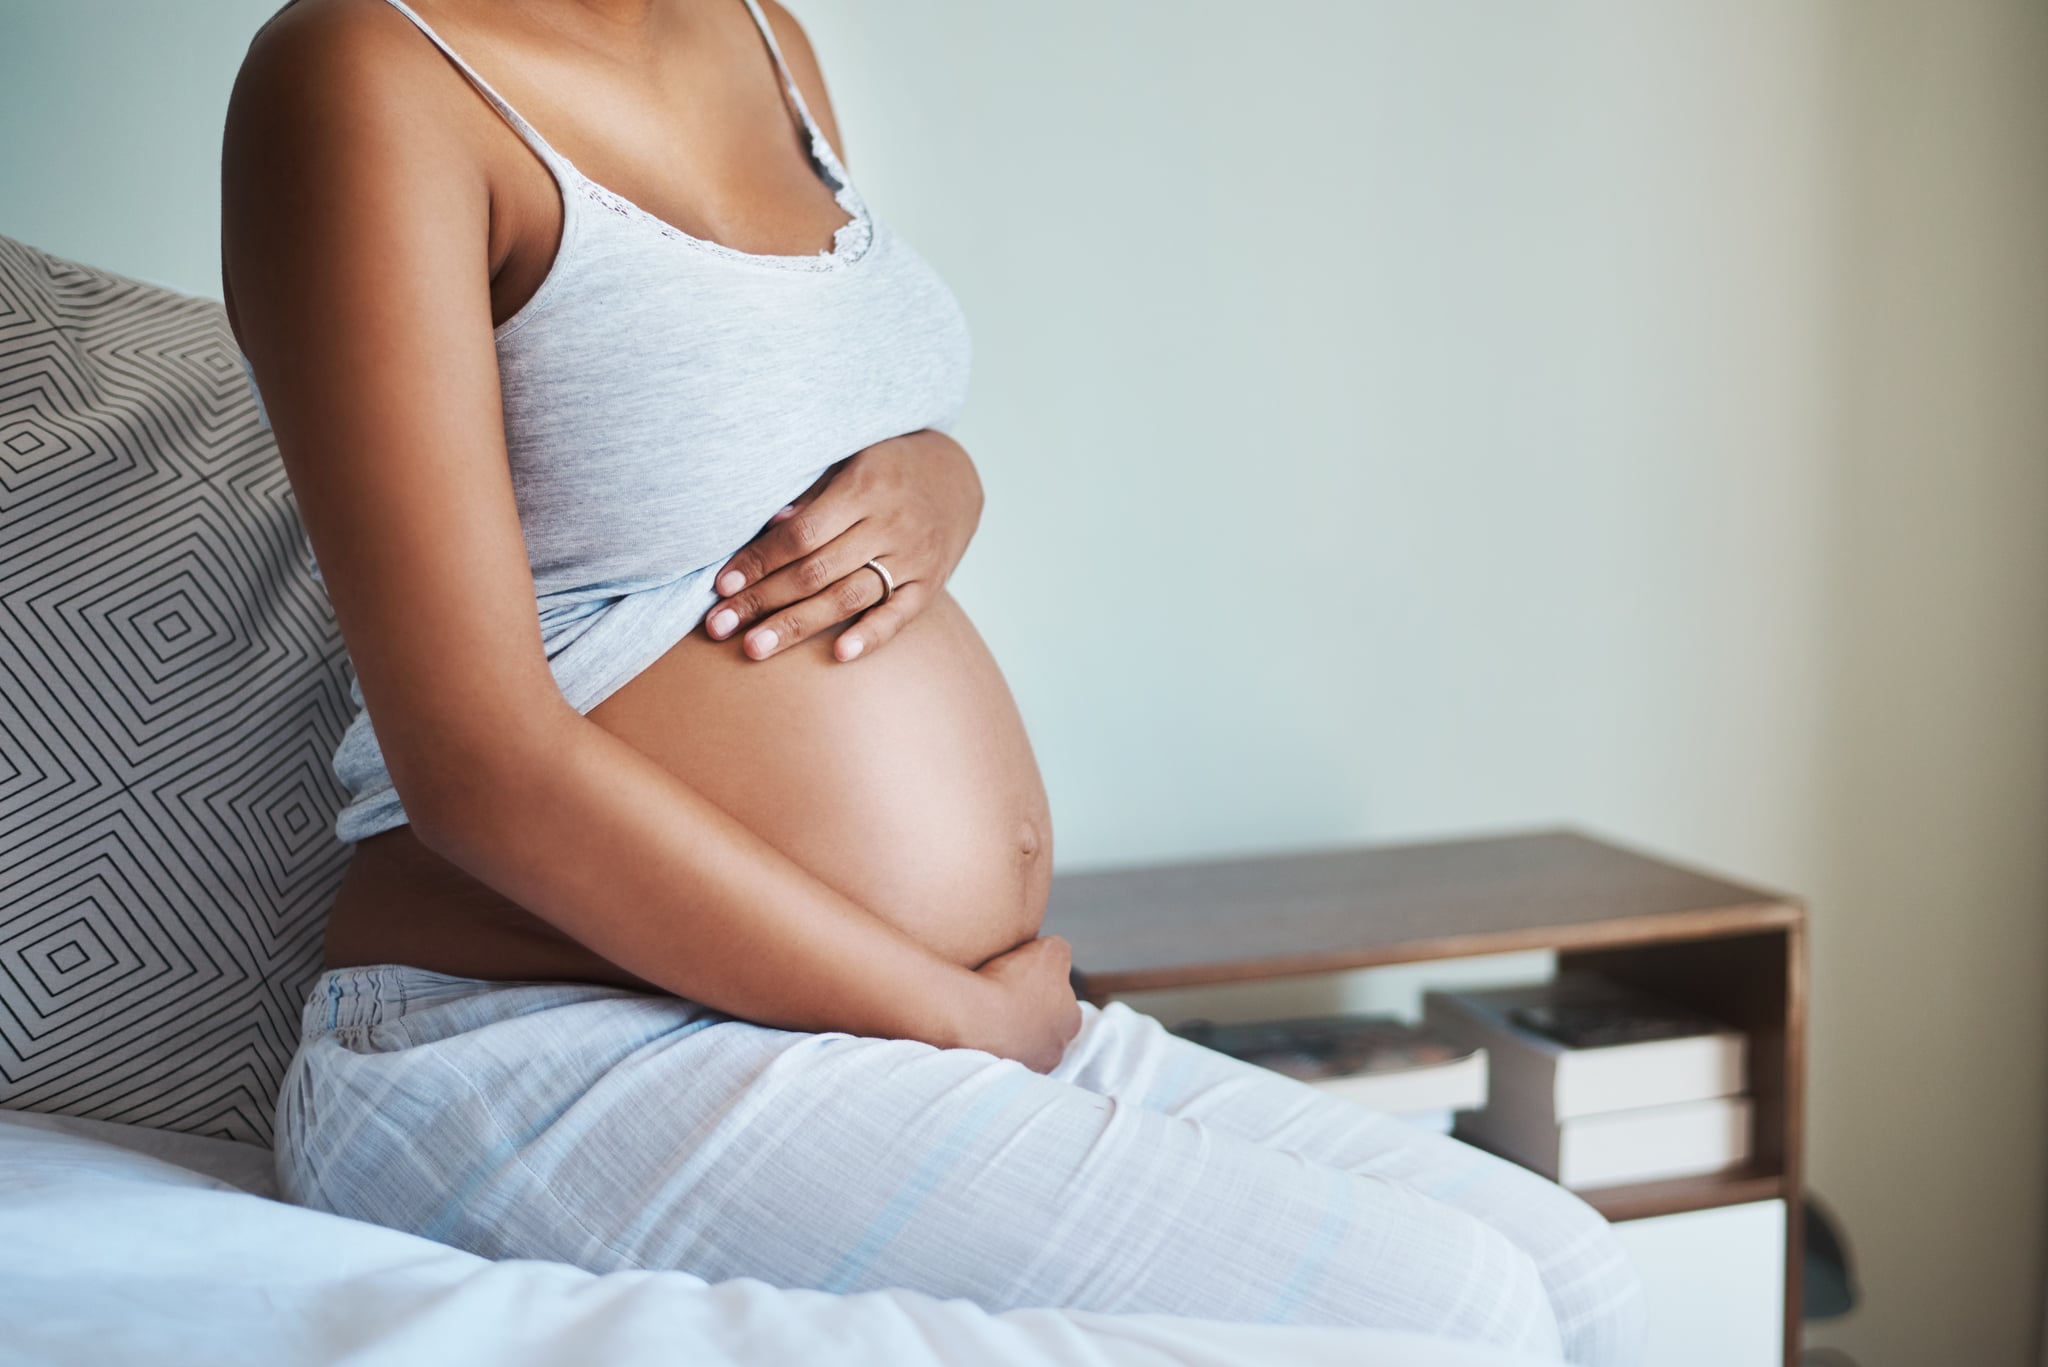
888, 582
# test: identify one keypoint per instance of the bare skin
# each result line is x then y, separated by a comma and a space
802, 839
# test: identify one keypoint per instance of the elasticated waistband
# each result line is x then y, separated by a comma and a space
375, 993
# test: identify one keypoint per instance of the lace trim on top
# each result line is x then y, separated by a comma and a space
850, 241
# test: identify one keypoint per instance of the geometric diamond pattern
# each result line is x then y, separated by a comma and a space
172, 689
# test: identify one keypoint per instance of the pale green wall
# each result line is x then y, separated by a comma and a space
1406, 418
110, 121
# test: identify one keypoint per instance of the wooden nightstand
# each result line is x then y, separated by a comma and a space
1734, 951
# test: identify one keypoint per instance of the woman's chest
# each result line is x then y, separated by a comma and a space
663, 405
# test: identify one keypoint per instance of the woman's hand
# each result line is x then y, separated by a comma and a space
911, 502
1033, 1014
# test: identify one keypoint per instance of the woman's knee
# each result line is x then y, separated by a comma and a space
1506, 1299
1594, 1286
1599, 1299
1467, 1281
1406, 1260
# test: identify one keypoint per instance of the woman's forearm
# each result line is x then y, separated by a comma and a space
592, 836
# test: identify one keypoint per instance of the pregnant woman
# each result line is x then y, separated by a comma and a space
699, 850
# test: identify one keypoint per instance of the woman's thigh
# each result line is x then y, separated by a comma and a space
615, 1130
1592, 1282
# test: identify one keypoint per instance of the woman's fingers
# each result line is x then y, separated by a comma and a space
806, 522
854, 594
807, 576
879, 624
897, 500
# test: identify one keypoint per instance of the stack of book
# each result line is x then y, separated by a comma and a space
1593, 1084
1376, 1061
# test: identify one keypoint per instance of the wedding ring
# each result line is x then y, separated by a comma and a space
888, 582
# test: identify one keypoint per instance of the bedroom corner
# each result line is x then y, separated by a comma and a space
1630, 417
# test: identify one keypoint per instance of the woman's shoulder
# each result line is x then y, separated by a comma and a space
337, 95
309, 48
343, 77
337, 151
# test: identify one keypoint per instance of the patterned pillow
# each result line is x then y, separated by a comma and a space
172, 688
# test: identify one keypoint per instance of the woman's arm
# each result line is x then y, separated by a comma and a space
357, 249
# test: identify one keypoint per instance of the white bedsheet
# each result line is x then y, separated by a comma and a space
147, 1252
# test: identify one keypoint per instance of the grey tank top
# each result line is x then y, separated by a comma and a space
664, 395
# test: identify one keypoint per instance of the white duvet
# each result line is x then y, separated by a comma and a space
122, 1246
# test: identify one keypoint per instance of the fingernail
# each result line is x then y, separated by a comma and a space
723, 621
784, 511
761, 642
731, 582
853, 648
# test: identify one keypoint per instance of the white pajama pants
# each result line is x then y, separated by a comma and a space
616, 1129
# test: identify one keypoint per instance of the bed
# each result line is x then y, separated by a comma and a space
121, 1245
175, 689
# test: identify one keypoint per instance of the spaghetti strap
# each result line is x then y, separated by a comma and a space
820, 148
525, 130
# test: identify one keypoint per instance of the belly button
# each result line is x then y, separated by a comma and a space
1028, 838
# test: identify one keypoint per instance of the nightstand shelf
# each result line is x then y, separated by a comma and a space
1734, 951
1644, 1200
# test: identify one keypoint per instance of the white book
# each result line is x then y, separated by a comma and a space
1441, 1122
1550, 1077
1458, 1085
1648, 1144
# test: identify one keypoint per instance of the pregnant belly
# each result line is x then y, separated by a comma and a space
903, 780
